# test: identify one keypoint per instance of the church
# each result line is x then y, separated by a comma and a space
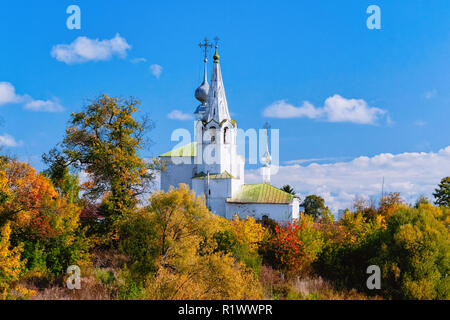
211, 166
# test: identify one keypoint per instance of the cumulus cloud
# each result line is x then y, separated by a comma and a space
179, 115
340, 183
335, 109
83, 49
8, 95
8, 141
156, 70
44, 105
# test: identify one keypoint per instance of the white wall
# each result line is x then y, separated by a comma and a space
176, 173
278, 212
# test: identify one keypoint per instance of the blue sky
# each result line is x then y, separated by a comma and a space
271, 51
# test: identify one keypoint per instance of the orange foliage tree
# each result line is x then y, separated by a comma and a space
43, 221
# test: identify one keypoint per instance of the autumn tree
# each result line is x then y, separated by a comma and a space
171, 245
442, 193
390, 203
11, 267
286, 248
104, 140
44, 222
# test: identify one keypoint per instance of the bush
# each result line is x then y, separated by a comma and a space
412, 249
414, 254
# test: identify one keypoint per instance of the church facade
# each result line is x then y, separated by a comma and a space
212, 168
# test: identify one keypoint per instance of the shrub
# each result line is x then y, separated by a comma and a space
414, 254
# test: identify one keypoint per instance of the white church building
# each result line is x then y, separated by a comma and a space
212, 168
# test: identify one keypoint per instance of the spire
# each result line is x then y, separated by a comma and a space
266, 158
217, 100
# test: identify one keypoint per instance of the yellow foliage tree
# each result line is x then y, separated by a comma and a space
11, 268
248, 232
187, 266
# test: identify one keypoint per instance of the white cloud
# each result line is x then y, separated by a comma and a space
179, 115
156, 70
335, 109
303, 161
8, 95
411, 174
8, 141
44, 105
420, 123
138, 60
83, 49
430, 94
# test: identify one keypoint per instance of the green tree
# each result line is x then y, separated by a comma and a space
103, 141
66, 183
287, 188
314, 206
442, 193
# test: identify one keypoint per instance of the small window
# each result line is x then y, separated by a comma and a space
212, 132
225, 132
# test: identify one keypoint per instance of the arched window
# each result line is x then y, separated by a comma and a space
212, 132
225, 133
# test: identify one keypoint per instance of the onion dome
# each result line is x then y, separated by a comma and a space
201, 94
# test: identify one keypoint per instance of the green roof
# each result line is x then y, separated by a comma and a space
189, 150
261, 193
223, 175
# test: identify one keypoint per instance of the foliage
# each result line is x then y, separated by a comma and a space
139, 240
442, 193
314, 206
410, 245
174, 243
209, 277
45, 222
104, 140
313, 241
414, 254
286, 248
390, 204
66, 183
11, 268
287, 188
248, 232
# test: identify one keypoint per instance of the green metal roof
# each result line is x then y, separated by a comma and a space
189, 150
261, 193
223, 175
